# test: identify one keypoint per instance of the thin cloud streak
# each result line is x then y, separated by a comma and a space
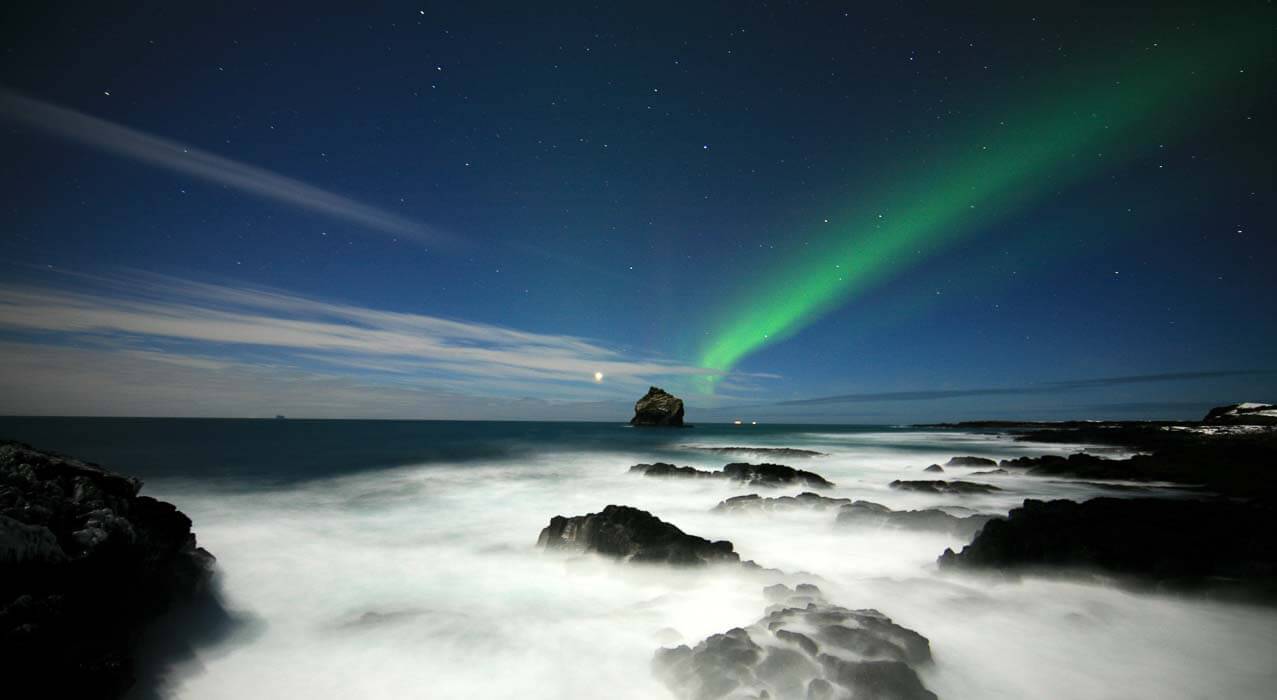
181, 158
1043, 388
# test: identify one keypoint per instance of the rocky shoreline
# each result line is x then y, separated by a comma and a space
87, 565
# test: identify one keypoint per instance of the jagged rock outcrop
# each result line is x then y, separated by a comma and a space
971, 462
1171, 543
755, 503
658, 407
803, 648
950, 488
769, 475
1242, 414
870, 514
85, 564
664, 470
633, 535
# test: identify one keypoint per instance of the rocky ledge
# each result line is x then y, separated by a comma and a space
870, 514
85, 564
804, 647
1215, 545
756, 503
773, 452
658, 408
948, 488
751, 474
633, 535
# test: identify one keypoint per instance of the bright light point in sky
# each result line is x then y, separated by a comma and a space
598, 376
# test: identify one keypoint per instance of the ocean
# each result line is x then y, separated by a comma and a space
394, 559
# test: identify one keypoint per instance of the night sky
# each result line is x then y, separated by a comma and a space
788, 211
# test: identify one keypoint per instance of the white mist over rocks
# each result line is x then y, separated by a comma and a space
424, 581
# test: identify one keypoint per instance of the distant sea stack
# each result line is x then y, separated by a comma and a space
658, 407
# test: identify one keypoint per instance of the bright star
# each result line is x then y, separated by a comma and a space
598, 377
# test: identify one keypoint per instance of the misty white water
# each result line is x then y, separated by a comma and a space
463, 605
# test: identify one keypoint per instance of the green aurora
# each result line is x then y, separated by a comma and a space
1081, 124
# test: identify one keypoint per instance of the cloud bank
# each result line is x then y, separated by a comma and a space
151, 345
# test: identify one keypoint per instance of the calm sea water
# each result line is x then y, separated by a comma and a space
396, 559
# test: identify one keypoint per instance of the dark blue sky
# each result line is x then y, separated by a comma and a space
585, 188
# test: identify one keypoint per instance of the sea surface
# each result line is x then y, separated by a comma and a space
396, 559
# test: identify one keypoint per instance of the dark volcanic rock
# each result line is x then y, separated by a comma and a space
971, 462
755, 503
662, 469
869, 514
944, 487
1168, 543
86, 564
658, 407
633, 535
774, 475
803, 648
991, 472
935, 469
751, 474
1242, 414
768, 451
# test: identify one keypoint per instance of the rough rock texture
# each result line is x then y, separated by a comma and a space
958, 488
664, 469
934, 469
803, 648
870, 514
751, 474
774, 475
766, 451
658, 407
633, 535
85, 564
756, 503
1167, 543
1242, 414
971, 462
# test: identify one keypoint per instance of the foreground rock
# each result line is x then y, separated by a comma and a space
658, 407
751, 474
948, 488
870, 514
757, 504
1178, 544
85, 564
633, 535
804, 647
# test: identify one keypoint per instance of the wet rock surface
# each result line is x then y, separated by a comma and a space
1176, 544
941, 487
633, 535
756, 503
804, 647
658, 408
971, 462
86, 566
870, 514
751, 474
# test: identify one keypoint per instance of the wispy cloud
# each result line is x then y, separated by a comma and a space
188, 160
240, 341
1042, 388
